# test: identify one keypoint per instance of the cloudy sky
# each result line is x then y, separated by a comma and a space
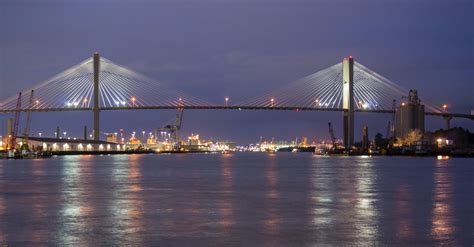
241, 49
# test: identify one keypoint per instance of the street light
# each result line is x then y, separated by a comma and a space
445, 107
133, 101
40, 134
272, 100
64, 133
226, 100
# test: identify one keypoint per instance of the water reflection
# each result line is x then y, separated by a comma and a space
226, 208
344, 198
38, 203
3, 207
271, 217
403, 211
366, 197
127, 201
231, 199
322, 197
442, 217
78, 208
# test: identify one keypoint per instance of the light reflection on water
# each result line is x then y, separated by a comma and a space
404, 211
226, 209
235, 199
442, 218
271, 217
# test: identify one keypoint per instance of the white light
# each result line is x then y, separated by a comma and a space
365, 105
69, 104
117, 103
123, 102
76, 103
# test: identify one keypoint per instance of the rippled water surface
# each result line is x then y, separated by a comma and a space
242, 199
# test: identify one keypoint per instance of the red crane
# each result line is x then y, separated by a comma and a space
16, 122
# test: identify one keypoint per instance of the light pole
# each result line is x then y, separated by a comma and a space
272, 100
226, 100
445, 107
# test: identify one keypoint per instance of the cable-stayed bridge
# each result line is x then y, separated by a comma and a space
98, 84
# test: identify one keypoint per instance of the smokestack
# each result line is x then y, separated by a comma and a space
85, 132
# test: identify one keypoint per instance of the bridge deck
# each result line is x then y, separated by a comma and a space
217, 107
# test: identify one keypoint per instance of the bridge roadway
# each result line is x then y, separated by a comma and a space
232, 107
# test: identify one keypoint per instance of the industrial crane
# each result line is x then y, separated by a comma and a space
333, 138
26, 130
173, 128
16, 121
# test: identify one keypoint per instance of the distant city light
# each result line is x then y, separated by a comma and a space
445, 107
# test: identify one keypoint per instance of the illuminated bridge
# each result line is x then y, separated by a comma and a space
98, 84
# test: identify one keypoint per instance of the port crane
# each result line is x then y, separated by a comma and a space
173, 128
26, 130
16, 121
333, 138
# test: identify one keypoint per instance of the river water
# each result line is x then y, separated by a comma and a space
236, 199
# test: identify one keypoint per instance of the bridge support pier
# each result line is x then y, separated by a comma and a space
348, 101
447, 119
95, 107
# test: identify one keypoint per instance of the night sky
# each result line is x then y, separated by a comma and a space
241, 49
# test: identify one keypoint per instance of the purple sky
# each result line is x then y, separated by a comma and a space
242, 49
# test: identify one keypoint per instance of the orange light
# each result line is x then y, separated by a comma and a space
226, 98
85, 100
403, 103
37, 101
133, 99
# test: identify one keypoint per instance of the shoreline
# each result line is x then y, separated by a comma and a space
66, 153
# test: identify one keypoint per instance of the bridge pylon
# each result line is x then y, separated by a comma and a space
348, 100
95, 107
